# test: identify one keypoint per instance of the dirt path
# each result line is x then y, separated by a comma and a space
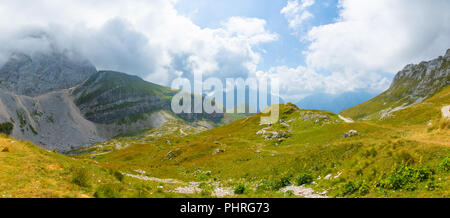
182, 132
189, 188
446, 111
192, 187
347, 120
304, 192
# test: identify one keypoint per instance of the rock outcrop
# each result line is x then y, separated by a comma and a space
412, 85
419, 81
51, 120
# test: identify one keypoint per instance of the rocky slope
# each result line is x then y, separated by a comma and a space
51, 120
412, 85
59, 101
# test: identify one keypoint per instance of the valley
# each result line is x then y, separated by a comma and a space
117, 138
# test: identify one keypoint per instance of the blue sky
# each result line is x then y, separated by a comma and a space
285, 51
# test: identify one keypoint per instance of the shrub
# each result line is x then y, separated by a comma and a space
80, 177
405, 177
142, 191
266, 185
284, 181
108, 191
370, 153
119, 176
349, 188
304, 178
363, 189
431, 186
445, 164
240, 189
404, 157
6, 128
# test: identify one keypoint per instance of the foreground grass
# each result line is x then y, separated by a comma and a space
28, 171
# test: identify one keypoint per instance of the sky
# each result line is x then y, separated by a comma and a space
311, 46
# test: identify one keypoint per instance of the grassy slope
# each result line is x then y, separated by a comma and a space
28, 171
368, 160
368, 163
119, 83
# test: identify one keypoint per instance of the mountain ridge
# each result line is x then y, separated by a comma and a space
46, 96
412, 85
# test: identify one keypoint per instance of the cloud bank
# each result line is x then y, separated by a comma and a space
369, 39
145, 38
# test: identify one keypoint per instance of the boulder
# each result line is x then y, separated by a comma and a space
217, 151
351, 133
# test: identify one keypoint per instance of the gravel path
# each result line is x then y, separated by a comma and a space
304, 192
190, 188
347, 120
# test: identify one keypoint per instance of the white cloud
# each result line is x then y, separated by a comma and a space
382, 35
297, 83
152, 40
367, 39
296, 13
146, 38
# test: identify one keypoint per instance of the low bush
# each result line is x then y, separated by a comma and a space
284, 181
349, 188
405, 177
360, 188
80, 177
6, 128
240, 189
119, 176
445, 165
304, 178
108, 191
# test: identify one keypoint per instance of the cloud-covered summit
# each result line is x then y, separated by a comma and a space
145, 38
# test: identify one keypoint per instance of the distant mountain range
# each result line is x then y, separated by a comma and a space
334, 102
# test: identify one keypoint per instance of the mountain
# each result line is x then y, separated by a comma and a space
44, 72
59, 101
50, 120
115, 97
412, 85
334, 102
307, 153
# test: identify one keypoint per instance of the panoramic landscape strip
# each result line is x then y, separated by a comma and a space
248, 101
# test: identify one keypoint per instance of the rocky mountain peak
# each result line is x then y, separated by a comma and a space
447, 54
419, 81
42, 72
